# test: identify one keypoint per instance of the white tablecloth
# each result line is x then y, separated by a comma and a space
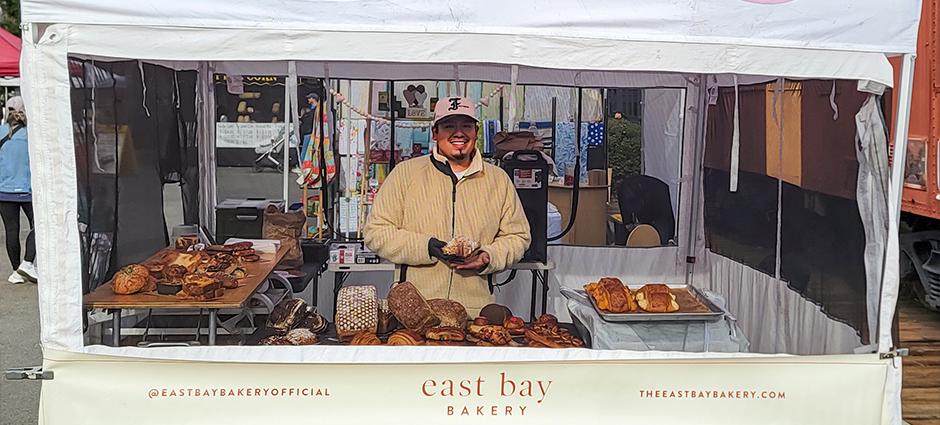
723, 335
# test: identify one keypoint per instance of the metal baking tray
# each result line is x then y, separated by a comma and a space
713, 313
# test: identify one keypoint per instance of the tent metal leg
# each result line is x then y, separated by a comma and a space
116, 328
213, 325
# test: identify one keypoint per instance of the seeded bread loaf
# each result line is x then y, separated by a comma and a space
410, 308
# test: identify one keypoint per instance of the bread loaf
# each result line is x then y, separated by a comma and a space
410, 308
286, 315
357, 310
301, 336
449, 312
132, 279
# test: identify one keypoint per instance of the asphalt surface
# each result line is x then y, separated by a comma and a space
19, 318
19, 343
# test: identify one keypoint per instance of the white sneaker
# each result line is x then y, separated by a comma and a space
16, 278
28, 271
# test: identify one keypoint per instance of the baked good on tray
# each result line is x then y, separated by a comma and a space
357, 310
611, 295
410, 308
365, 338
658, 302
449, 312
405, 337
132, 279
652, 288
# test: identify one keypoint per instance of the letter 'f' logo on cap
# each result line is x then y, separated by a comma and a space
454, 103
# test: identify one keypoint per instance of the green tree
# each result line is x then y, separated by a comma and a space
10, 19
624, 150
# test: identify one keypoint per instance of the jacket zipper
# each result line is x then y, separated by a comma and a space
453, 225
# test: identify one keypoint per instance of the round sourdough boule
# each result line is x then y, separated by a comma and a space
496, 314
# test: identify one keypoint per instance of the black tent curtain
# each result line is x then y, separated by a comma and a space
821, 235
134, 131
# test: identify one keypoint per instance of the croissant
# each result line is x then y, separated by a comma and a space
611, 295
405, 337
652, 288
658, 302
365, 338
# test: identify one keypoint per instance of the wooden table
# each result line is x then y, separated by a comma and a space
257, 273
590, 226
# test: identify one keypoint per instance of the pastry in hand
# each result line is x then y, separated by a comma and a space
460, 247
365, 338
658, 302
405, 337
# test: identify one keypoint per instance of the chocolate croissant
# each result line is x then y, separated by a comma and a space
445, 334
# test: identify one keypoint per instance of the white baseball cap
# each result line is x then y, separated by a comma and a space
450, 106
16, 103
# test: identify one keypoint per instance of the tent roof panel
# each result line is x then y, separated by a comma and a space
847, 25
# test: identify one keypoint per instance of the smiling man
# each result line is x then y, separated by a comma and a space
451, 192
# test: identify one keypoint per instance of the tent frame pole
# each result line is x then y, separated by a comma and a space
890, 278
697, 198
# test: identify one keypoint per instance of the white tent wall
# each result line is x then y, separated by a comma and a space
843, 39
663, 119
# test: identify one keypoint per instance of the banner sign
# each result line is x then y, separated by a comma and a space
797, 390
246, 135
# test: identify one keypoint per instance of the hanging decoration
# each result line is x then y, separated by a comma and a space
339, 97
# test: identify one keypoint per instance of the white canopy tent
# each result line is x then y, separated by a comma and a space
660, 43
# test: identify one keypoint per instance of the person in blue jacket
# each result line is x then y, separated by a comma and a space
16, 190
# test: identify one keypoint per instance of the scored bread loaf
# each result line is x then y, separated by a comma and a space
357, 310
286, 315
449, 312
410, 308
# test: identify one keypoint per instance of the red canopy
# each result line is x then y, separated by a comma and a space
9, 54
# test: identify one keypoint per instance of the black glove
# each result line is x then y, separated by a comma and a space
436, 249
